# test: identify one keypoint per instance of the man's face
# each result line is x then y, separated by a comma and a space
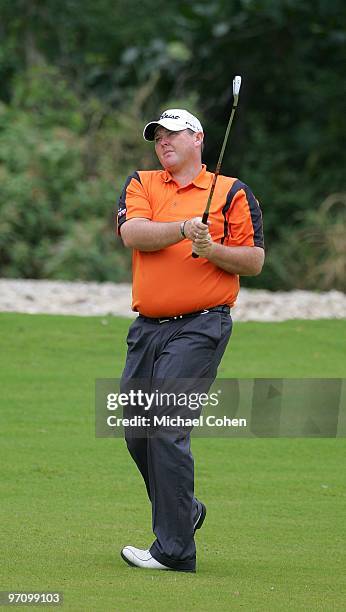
176, 149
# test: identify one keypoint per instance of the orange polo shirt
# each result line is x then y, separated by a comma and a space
169, 281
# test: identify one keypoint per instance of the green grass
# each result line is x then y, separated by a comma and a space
274, 534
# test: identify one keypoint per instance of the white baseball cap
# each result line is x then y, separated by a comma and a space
174, 119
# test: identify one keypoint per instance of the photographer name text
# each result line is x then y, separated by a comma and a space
176, 421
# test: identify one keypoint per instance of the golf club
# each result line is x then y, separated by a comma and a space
236, 89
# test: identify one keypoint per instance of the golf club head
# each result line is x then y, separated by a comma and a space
236, 88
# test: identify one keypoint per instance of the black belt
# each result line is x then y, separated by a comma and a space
223, 308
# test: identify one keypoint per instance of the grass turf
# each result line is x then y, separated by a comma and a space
274, 534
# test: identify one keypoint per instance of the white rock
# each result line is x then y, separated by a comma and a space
99, 299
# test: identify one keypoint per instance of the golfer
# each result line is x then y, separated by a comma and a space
184, 303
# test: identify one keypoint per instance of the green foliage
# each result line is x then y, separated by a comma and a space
46, 95
313, 255
78, 85
62, 166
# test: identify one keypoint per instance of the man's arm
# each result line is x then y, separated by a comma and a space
245, 255
242, 260
146, 235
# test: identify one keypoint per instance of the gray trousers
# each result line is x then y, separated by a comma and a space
189, 349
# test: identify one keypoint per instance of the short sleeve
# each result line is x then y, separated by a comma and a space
133, 201
244, 217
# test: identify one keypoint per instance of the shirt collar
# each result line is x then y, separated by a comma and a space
202, 180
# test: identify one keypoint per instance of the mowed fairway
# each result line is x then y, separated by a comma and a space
274, 537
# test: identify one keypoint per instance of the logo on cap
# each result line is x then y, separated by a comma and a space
167, 116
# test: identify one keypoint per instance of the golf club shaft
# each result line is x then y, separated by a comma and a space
218, 166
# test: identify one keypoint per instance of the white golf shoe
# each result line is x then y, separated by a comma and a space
141, 558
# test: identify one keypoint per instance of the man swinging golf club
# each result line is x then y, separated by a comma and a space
183, 302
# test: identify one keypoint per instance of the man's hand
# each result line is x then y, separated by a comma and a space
198, 233
194, 228
203, 246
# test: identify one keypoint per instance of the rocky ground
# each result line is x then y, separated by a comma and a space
95, 299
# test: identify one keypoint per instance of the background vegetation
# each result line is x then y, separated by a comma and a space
79, 80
